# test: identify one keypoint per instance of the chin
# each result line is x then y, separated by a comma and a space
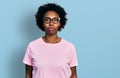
51, 32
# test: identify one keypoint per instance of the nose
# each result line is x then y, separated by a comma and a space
51, 23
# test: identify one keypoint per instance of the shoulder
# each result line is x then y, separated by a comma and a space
34, 43
68, 43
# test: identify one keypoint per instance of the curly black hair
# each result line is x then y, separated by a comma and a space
50, 7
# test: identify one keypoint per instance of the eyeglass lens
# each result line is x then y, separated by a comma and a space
48, 20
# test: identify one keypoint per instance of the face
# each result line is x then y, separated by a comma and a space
51, 22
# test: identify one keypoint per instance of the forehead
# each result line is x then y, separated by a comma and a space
51, 14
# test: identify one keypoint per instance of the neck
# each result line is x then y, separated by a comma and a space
51, 38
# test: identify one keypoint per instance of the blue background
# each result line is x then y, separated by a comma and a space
93, 26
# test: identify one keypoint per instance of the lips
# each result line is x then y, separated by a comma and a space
51, 29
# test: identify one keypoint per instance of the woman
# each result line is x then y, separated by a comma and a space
50, 56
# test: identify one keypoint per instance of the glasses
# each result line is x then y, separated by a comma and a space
48, 20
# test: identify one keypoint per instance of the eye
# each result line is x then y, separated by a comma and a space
56, 19
46, 19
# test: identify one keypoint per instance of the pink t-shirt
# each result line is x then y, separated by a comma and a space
50, 60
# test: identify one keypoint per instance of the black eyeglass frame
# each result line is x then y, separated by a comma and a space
54, 20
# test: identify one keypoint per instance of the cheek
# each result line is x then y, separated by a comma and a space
45, 25
58, 25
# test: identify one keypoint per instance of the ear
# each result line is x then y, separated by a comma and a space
43, 26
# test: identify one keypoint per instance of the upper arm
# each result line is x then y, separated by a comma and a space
74, 73
28, 69
73, 57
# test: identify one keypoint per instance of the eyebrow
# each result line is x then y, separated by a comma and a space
51, 18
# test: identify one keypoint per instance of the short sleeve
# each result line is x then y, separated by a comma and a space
73, 57
27, 57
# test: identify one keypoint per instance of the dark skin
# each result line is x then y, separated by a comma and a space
50, 37
28, 71
74, 73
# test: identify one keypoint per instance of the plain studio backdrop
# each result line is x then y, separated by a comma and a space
93, 27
